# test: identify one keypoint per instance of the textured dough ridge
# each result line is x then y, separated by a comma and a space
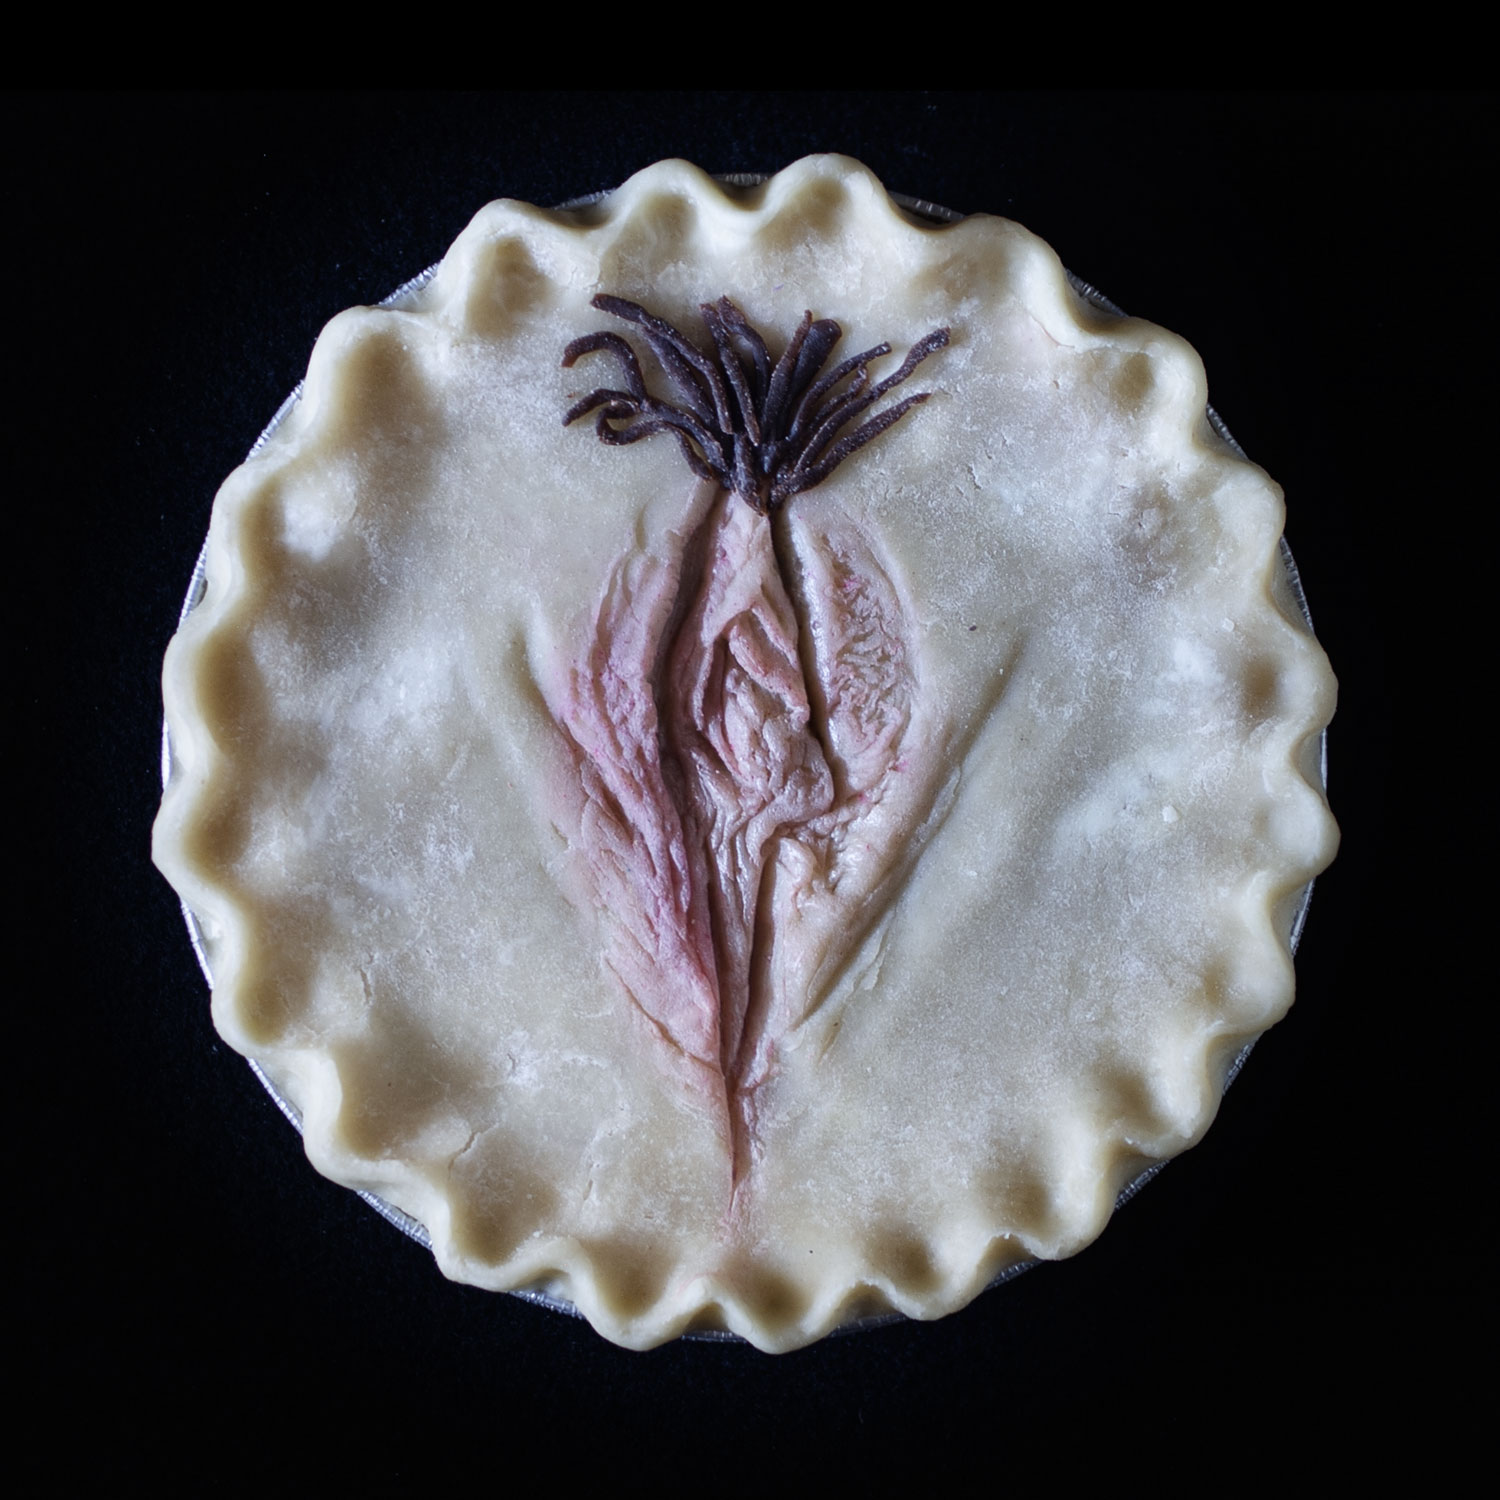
363, 813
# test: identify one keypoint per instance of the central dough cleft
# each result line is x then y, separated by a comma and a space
738, 726
741, 757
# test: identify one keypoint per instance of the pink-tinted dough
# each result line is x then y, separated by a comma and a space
718, 738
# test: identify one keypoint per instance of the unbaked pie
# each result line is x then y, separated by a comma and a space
746, 759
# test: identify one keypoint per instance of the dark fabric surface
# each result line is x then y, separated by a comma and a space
188, 1279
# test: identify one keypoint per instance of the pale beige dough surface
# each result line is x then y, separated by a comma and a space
371, 812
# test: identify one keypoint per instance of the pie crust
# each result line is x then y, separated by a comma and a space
1013, 726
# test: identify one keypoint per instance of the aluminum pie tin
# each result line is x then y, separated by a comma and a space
932, 213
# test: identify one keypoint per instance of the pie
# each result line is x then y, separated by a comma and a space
746, 759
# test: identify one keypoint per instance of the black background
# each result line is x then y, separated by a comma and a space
1313, 1267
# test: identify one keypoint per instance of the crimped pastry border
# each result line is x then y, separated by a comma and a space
186, 829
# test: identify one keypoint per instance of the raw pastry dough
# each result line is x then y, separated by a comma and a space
722, 919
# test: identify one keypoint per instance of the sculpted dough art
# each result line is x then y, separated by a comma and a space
750, 767
797, 866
